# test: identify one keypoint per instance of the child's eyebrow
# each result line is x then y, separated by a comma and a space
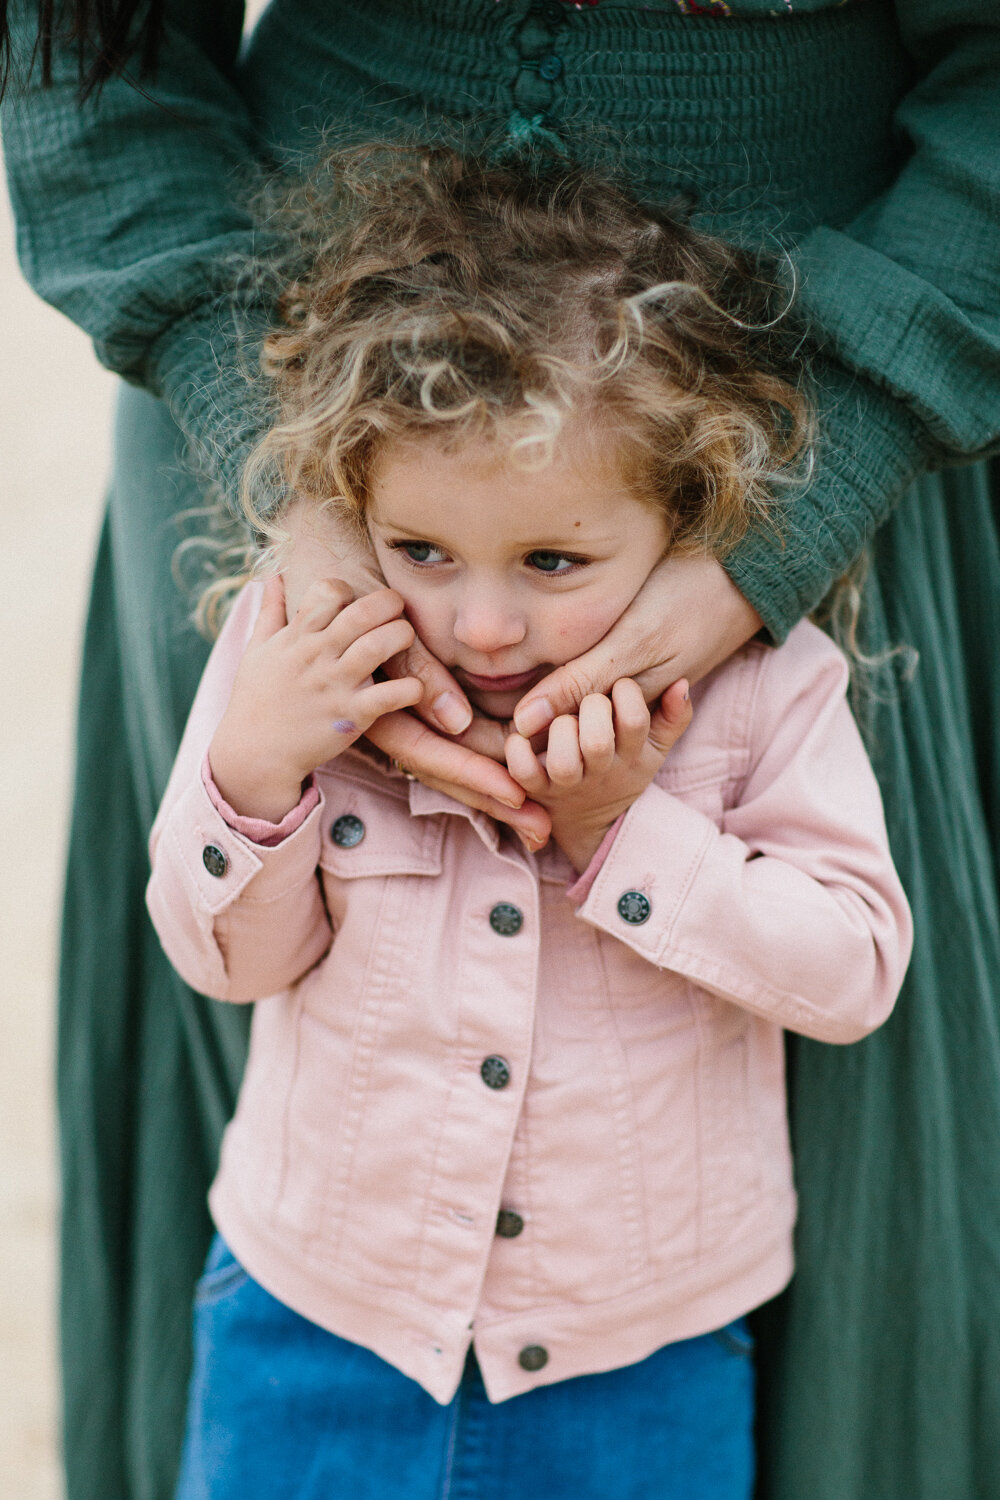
386, 523
570, 542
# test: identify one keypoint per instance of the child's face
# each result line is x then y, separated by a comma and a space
508, 573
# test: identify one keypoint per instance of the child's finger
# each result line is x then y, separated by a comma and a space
671, 716
524, 765
597, 733
631, 717
387, 697
361, 615
370, 650
321, 603
563, 761
272, 610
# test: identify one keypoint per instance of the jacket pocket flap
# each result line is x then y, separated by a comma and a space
368, 831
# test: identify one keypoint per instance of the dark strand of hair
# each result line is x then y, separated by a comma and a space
108, 37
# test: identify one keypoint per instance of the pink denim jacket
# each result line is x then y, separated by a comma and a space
476, 1108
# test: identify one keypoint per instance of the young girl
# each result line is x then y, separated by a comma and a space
510, 1161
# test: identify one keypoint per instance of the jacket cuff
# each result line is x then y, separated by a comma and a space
639, 891
867, 452
580, 888
260, 830
218, 863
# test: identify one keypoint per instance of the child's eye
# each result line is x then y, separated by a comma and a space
553, 562
420, 552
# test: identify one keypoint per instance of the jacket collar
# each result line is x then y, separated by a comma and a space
424, 802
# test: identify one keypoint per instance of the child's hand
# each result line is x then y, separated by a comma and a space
304, 692
598, 762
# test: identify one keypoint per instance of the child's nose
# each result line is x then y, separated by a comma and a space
486, 623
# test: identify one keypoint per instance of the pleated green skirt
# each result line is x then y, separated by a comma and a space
879, 1366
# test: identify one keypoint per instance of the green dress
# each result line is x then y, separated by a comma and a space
863, 137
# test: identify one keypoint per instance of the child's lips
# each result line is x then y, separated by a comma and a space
513, 683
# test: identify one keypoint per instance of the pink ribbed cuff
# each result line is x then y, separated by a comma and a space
259, 830
580, 889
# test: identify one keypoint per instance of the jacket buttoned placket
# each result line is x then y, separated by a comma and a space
490, 960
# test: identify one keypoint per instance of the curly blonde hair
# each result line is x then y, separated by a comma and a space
449, 295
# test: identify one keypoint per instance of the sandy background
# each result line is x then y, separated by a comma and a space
55, 409
55, 418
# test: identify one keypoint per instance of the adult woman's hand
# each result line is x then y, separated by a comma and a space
687, 618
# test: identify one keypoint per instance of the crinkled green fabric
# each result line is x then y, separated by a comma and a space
864, 139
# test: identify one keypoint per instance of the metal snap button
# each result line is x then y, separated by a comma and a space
533, 1357
347, 831
495, 1072
551, 12
509, 1224
214, 860
633, 907
506, 919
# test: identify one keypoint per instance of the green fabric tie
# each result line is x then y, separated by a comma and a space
522, 132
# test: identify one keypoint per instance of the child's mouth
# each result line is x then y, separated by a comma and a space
511, 684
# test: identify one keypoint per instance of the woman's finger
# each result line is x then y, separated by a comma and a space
671, 716
631, 717
597, 733
530, 822
461, 773
563, 761
687, 617
469, 777
444, 706
360, 659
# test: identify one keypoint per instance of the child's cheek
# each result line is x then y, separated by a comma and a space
577, 626
430, 618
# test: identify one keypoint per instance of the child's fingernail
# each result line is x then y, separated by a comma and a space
530, 842
534, 717
451, 713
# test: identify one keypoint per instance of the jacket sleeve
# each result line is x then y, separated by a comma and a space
905, 302
238, 920
792, 909
129, 217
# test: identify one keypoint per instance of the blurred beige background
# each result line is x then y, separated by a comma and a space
55, 412
55, 421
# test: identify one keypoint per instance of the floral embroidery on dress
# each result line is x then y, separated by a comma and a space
697, 7
704, 7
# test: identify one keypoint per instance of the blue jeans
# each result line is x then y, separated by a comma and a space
282, 1410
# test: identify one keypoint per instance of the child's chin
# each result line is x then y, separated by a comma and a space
494, 705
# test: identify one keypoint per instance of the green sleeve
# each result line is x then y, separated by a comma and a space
129, 217
905, 304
